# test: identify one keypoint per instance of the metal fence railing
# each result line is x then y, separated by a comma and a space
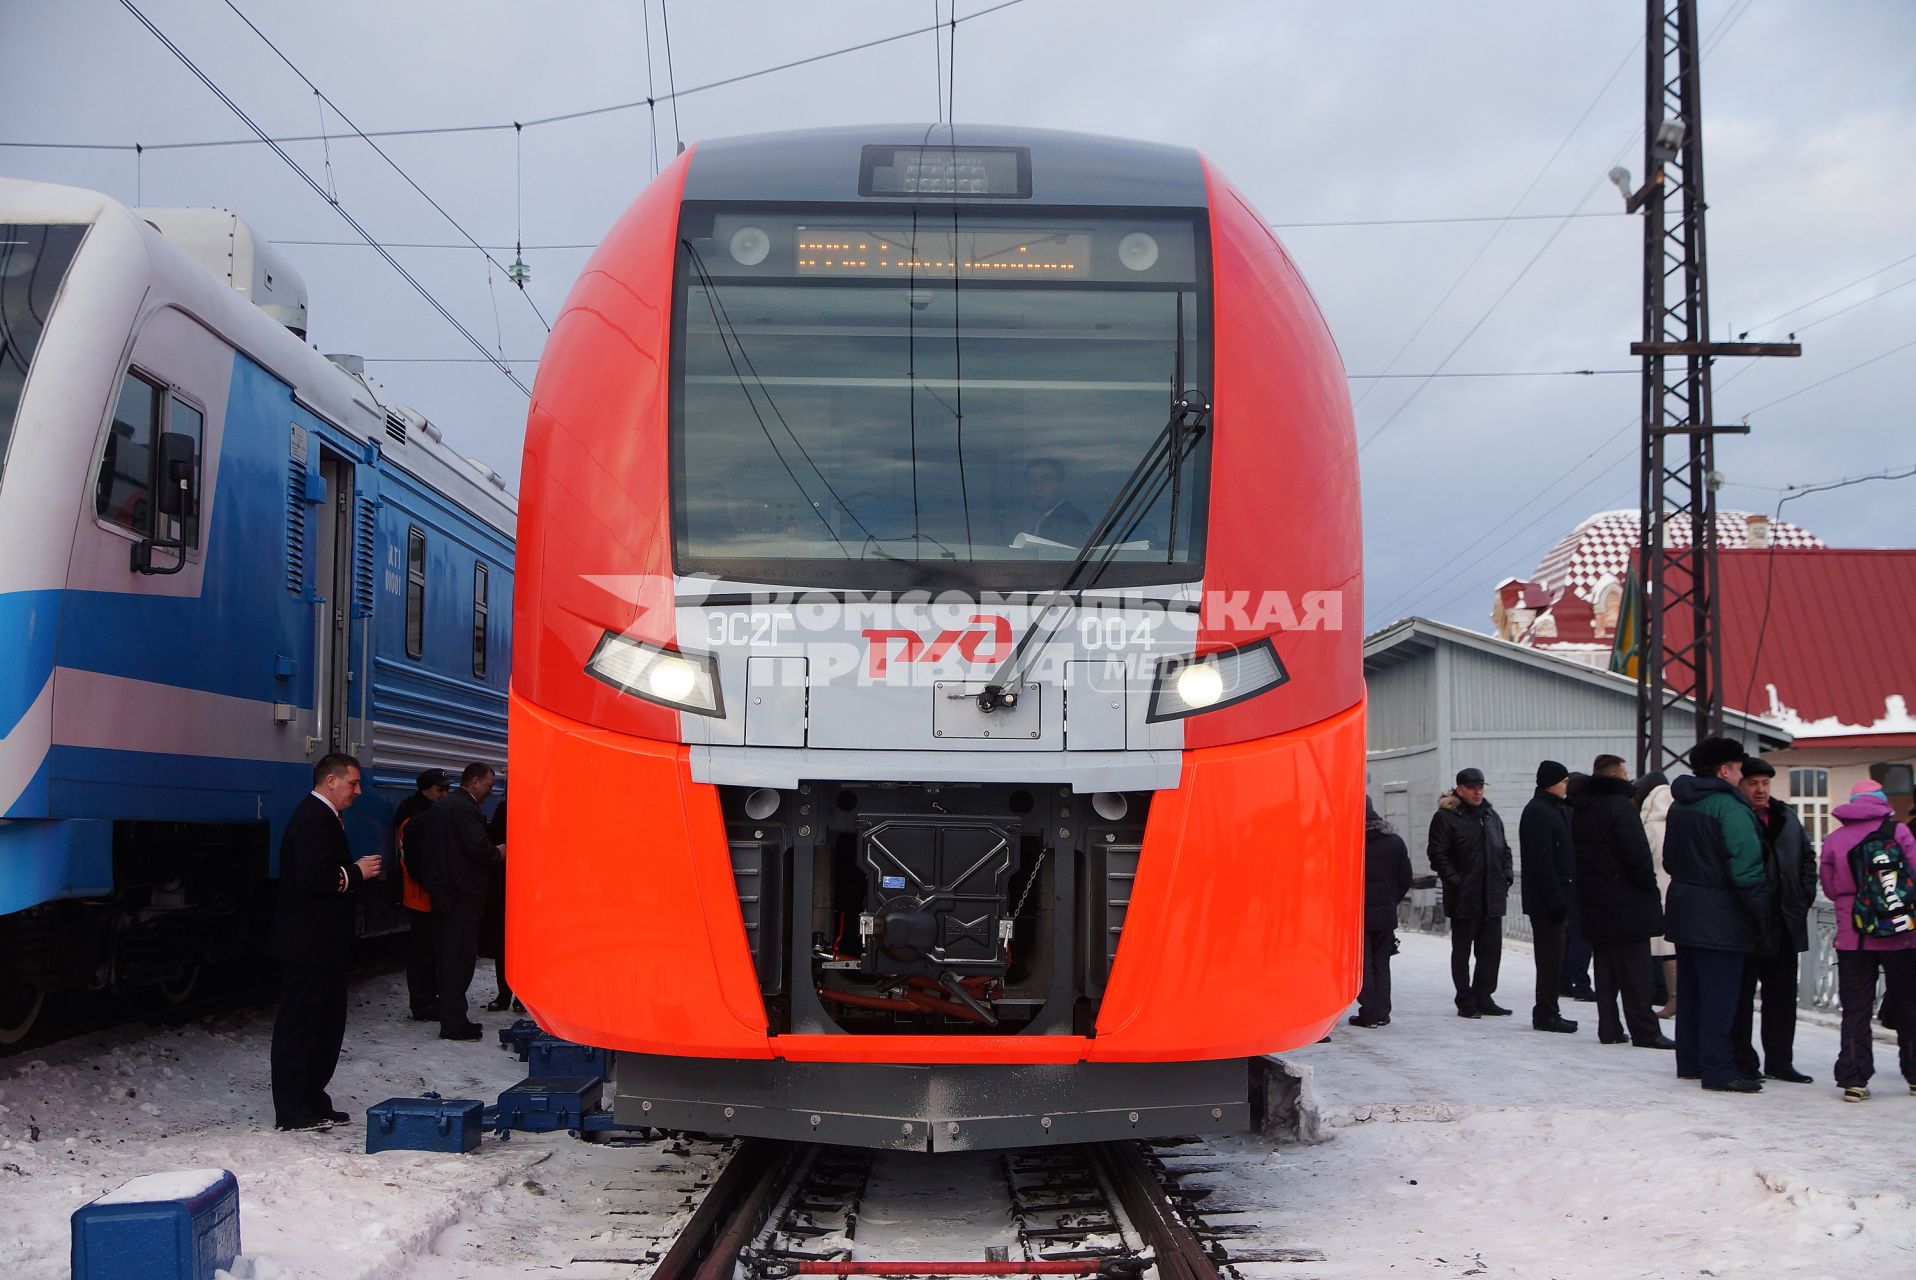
1423, 911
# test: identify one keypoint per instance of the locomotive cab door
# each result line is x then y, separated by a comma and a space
332, 674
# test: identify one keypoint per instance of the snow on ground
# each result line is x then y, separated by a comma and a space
1459, 1148
83, 1116
1480, 1147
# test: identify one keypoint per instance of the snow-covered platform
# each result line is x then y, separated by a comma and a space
1457, 1148
1481, 1147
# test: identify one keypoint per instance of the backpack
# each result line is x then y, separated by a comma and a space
1885, 904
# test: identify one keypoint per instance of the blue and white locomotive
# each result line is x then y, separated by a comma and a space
222, 555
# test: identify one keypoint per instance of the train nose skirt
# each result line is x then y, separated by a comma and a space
966, 1107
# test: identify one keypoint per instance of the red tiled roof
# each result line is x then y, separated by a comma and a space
1838, 641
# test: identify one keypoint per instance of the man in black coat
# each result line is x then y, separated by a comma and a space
1790, 862
422, 962
1549, 887
456, 860
1471, 856
1618, 903
313, 940
1386, 881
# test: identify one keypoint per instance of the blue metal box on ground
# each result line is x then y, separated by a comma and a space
517, 1036
544, 1104
552, 1057
164, 1226
424, 1124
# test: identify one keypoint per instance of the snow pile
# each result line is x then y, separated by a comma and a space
1896, 718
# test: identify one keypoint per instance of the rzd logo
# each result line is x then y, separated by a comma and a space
989, 642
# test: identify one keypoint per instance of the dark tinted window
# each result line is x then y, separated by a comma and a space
123, 492
415, 593
479, 609
185, 420
880, 399
33, 261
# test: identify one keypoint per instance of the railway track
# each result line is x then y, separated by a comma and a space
1125, 1209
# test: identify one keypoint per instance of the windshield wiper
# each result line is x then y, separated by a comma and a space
1161, 464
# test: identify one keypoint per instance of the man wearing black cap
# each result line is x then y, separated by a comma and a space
1790, 863
422, 979
1549, 887
1718, 899
1471, 856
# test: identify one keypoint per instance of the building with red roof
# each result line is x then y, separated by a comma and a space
1821, 642
1816, 640
1569, 606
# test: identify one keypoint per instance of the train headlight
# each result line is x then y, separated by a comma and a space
682, 681
1187, 686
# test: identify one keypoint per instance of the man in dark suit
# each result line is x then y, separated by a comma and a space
313, 939
455, 859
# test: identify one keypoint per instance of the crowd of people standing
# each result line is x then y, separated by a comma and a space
452, 858
1693, 894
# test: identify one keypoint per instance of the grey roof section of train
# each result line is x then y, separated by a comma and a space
822, 165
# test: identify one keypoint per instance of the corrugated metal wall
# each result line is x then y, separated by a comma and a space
1402, 711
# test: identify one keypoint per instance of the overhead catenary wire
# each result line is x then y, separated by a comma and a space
671, 76
1412, 595
651, 95
1506, 220
1717, 39
377, 149
338, 207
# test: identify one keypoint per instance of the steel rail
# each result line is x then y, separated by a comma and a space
732, 1212
1180, 1255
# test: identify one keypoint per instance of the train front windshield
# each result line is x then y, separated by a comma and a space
911, 398
33, 262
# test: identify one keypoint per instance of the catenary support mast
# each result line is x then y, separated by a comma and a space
1679, 436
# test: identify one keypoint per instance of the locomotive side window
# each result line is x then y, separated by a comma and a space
415, 593
151, 429
905, 396
186, 421
479, 605
123, 493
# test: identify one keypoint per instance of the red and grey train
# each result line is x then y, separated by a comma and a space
937, 707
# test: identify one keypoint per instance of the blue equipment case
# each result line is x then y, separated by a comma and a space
549, 1056
424, 1124
164, 1226
547, 1104
518, 1036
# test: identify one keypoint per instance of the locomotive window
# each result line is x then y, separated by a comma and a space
886, 399
123, 491
33, 262
186, 420
415, 593
479, 606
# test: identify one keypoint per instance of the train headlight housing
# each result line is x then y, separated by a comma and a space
682, 681
1187, 686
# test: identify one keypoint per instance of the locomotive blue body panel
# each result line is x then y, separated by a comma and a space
340, 565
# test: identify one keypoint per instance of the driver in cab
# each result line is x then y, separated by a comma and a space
1049, 514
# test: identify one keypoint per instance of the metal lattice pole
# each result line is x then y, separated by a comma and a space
1677, 562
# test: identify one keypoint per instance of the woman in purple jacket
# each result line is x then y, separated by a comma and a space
1860, 958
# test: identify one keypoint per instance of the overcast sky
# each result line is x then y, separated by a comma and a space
1321, 112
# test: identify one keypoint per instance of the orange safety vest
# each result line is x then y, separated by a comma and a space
411, 893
